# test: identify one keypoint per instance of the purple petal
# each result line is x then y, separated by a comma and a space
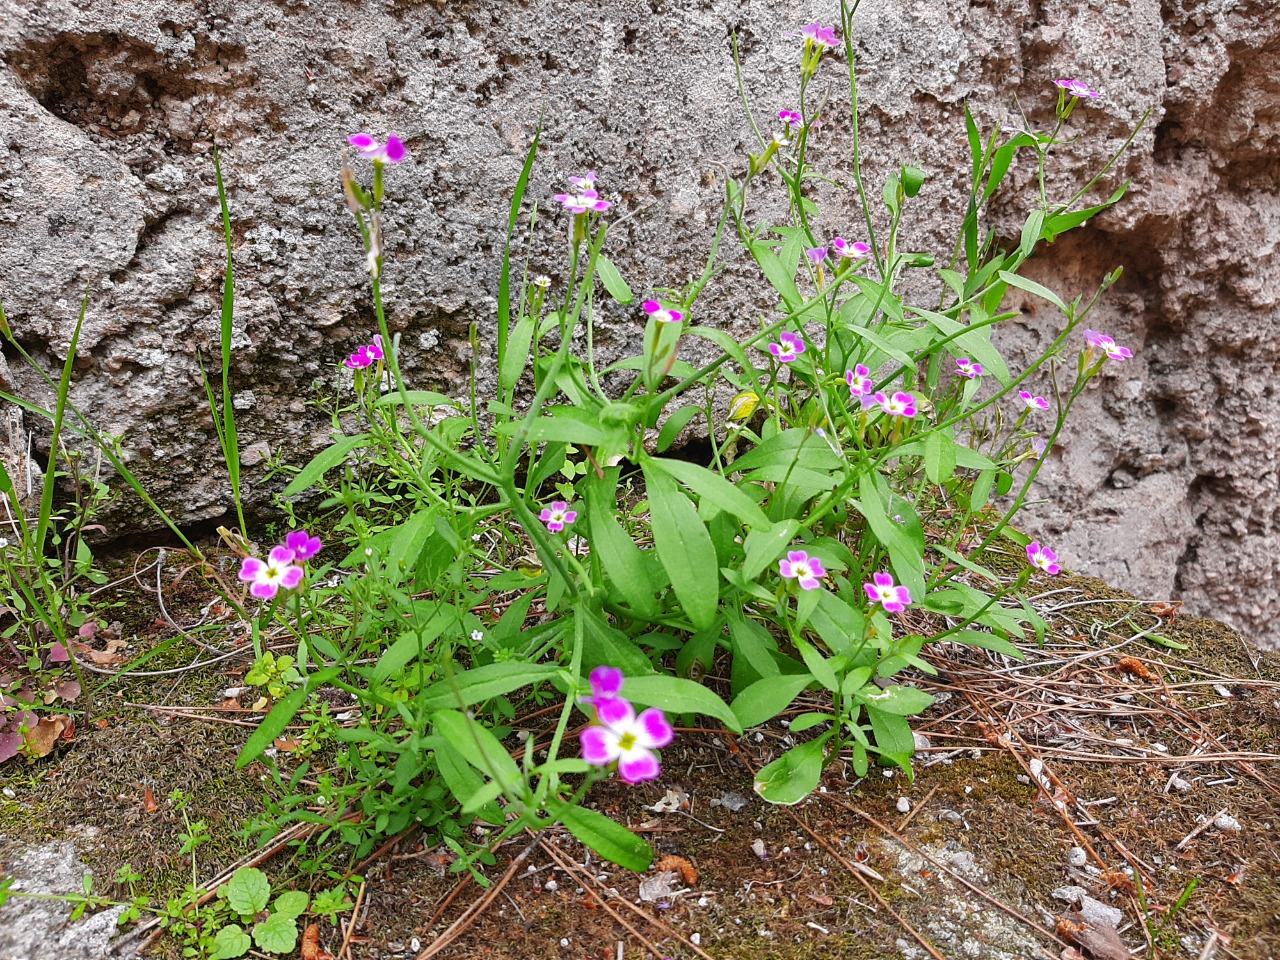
263, 590
639, 765
291, 577
883, 579
395, 150
599, 746
280, 555
250, 568
362, 141
816, 566
606, 681
786, 568
797, 556
615, 712
654, 729
651, 307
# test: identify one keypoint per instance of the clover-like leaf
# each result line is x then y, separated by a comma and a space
276, 934
248, 891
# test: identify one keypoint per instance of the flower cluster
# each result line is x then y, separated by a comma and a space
792, 120
1108, 346
803, 568
660, 313
882, 590
279, 570
619, 735
369, 147
850, 251
860, 384
1077, 88
586, 198
366, 355
1042, 558
789, 347
557, 516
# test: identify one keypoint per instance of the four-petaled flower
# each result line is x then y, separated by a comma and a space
369, 147
860, 384
792, 119
848, 250
790, 347
619, 735
1043, 558
266, 577
656, 310
586, 198
884, 591
804, 568
818, 35
1077, 88
1033, 402
1038, 446
1108, 346
303, 545
557, 516
899, 405
816, 255
968, 368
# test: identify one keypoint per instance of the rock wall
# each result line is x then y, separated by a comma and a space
1165, 484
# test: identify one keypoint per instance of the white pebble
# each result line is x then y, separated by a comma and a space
1226, 822
1077, 857
904, 805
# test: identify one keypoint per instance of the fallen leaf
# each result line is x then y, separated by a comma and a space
1135, 667
67, 690
1166, 608
311, 942
1102, 943
102, 723
149, 803
681, 866
661, 886
109, 657
58, 654
286, 745
41, 738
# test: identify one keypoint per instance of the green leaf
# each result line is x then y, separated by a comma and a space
231, 942
407, 647
478, 746
323, 462
416, 398
604, 644
775, 271
515, 359
900, 701
766, 544
905, 558
684, 547
713, 488
612, 280
818, 664
794, 775
754, 644
291, 903
622, 560
248, 891
504, 278
463, 782
569, 425
677, 695
275, 722
1060, 223
939, 456
276, 934
1031, 232
894, 738
988, 641
1030, 286
678, 420
767, 698
611, 840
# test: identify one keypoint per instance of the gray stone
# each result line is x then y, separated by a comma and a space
33, 929
1165, 483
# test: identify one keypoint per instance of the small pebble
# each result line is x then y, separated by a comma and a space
564, 941
1077, 857
695, 938
1227, 823
1179, 784
758, 848
415, 945
904, 805
550, 885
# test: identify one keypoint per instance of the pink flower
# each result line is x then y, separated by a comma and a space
1108, 346
848, 250
1043, 558
586, 198
884, 591
1038, 446
557, 516
804, 568
792, 119
363, 357
816, 255
267, 577
967, 368
393, 151
818, 35
303, 545
1077, 88
860, 385
790, 347
621, 736
1033, 402
899, 405
656, 310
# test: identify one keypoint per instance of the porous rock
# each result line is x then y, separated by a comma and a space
1166, 480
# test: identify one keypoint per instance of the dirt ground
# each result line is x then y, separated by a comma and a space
1107, 769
